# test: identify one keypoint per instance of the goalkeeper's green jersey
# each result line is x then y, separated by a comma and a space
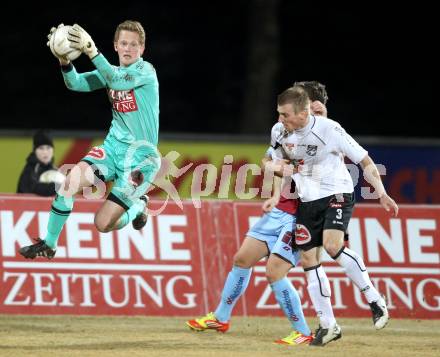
133, 92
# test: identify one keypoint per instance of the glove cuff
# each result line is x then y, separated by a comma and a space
67, 68
94, 53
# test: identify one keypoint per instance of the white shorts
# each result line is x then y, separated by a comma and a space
275, 229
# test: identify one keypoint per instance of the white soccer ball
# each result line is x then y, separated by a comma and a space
59, 45
52, 176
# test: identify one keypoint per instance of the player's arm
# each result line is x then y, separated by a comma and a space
122, 78
81, 82
117, 78
359, 155
372, 176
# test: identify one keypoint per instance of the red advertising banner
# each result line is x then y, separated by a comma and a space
177, 264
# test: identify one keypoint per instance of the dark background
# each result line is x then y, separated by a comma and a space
221, 64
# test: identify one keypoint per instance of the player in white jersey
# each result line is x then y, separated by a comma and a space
317, 146
270, 236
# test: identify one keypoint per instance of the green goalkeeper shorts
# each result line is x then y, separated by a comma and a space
131, 167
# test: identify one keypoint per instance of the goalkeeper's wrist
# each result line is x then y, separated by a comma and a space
91, 50
93, 54
66, 67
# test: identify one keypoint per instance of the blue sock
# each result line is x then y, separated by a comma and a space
290, 303
235, 285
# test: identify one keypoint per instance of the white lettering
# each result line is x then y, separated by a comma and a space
107, 290
416, 241
40, 289
391, 286
106, 245
168, 238
143, 240
170, 292
87, 298
10, 298
420, 293
75, 235
12, 234
393, 244
156, 296
65, 290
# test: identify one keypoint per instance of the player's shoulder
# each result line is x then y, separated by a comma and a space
146, 66
325, 125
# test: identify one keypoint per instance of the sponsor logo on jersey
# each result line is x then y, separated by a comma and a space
311, 150
302, 235
123, 101
97, 153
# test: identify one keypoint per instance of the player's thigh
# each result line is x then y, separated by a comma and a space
78, 178
277, 267
136, 170
310, 220
283, 246
337, 217
250, 253
102, 160
108, 215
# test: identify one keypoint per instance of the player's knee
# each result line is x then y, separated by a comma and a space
241, 261
273, 274
276, 268
332, 247
102, 224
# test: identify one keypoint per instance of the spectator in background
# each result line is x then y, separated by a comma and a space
39, 175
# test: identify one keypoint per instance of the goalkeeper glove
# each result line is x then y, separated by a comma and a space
63, 60
81, 40
52, 30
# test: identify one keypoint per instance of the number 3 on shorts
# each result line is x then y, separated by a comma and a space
339, 213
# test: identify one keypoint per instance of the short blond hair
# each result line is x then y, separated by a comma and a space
297, 96
133, 26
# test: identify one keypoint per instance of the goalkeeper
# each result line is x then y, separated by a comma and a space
129, 155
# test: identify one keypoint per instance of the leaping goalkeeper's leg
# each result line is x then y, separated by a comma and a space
61, 207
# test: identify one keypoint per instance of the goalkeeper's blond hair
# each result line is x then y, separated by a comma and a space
133, 26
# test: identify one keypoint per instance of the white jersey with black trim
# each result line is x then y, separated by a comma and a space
319, 148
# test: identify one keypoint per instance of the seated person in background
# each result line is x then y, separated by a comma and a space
39, 175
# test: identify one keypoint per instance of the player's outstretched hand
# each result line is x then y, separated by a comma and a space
389, 204
81, 40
